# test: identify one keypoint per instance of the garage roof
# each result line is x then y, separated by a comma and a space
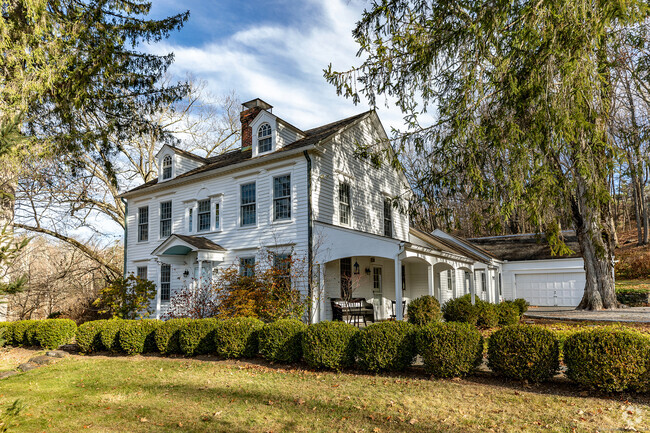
530, 246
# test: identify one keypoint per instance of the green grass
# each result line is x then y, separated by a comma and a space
150, 394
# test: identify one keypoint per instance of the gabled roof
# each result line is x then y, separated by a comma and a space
185, 153
464, 244
182, 244
530, 246
313, 136
445, 245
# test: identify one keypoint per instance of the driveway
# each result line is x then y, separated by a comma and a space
630, 315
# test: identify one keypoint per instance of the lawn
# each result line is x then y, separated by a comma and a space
154, 394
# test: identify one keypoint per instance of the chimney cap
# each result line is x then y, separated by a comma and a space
257, 102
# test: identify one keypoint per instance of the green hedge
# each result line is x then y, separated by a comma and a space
137, 336
608, 358
197, 337
633, 297
386, 346
329, 345
450, 349
167, 336
89, 336
110, 335
522, 305
461, 310
423, 310
487, 315
20, 332
52, 333
237, 337
524, 352
507, 313
281, 341
4, 332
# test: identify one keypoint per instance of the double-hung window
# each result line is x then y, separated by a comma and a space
165, 282
141, 272
165, 219
344, 203
388, 218
248, 205
247, 266
282, 266
204, 215
282, 197
143, 224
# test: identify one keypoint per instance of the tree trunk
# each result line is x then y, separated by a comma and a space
596, 239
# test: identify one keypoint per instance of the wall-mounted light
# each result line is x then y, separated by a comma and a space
186, 273
367, 271
356, 268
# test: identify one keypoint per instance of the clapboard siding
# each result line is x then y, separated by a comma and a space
369, 184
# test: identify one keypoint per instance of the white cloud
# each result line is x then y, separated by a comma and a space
283, 64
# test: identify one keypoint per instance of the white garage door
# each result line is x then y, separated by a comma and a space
562, 290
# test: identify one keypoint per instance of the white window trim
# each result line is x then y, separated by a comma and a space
162, 158
190, 204
137, 224
292, 198
264, 117
171, 229
216, 222
210, 212
338, 203
254, 180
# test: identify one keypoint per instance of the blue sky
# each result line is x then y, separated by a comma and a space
275, 50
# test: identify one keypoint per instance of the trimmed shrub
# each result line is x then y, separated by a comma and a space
197, 337
329, 345
386, 346
137, 336
110, 335
281, 341
487, 315
461, 310
524, 352
507, 313
633, 297
423, 310
22, 332
89, 336
167, 336
237, 337
522, 305
607, 359
450, 349
52, 333
4, 332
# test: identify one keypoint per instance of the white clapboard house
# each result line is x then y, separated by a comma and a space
307, 193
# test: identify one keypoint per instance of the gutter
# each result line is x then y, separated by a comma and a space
310, 289
126, 231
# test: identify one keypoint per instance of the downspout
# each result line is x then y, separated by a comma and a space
310, 290
126, 231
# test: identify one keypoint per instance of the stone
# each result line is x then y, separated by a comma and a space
6, 374
56, 354
28, 366
42, 360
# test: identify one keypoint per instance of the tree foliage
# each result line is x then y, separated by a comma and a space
521, 93
127, 298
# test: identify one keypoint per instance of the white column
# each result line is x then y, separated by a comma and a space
398, 288
157, 290
200, 274
430, 280
472, 287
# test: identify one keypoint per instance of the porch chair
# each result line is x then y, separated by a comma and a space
393, 304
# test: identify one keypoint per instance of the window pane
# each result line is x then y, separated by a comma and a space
282, 197
167, 167
143, 224
165, 219
344, 203
141, 272
388, 218
204, 215
165, 282
247, 266
264, 142
248, 208
216, 215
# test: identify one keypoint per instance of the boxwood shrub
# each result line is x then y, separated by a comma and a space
461, 310
329, 345
487, 315
423, 310
197, 337
281, 341
167, 336
52, 333
137, 336
386, 346
507, 313
89, 336
22, 332
450, 349
524, 352
522, 305
607, 359
110, 335
4, 332
237, 337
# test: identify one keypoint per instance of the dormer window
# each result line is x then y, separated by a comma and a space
264, 138
167, 167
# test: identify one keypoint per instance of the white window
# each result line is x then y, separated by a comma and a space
450, 279
165, 282
264, 142
344, 203
376, 282
165, 219
141, 272
216, 216
248, 206
143, 224
167, 167
282, 197
247, 266
204, 215
282, 266
388, 218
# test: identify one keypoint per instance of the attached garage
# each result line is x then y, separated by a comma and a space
550, 289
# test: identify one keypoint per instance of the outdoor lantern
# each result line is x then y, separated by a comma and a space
367, 271
356, 268
186, 273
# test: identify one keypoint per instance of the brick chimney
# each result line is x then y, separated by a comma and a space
250, 110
